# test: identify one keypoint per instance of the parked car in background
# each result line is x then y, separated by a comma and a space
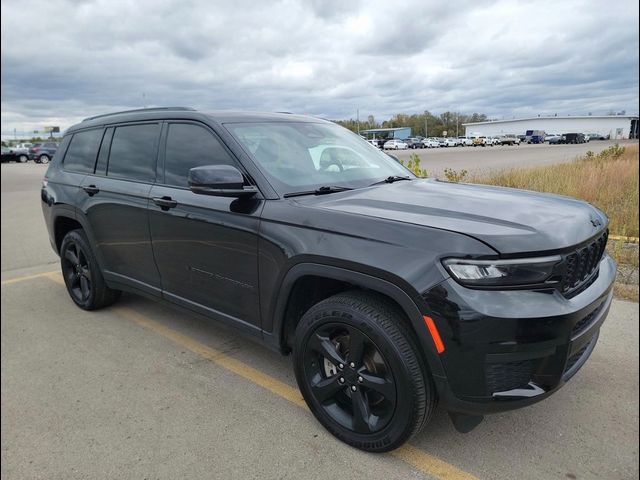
450, 142
572, 138
42, 152
431, 143
11, 155
395, 144
414, 142
23, 148
504, 140
515, 138
554, 140
522, 138
480, 141
552, 137
374, 142
597, 136
534, 136
465, 141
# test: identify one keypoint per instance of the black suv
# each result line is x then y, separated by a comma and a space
392, 292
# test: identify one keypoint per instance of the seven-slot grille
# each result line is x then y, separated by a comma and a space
581, 264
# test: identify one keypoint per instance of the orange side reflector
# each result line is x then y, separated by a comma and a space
434, 333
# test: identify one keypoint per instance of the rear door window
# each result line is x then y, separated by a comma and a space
83, 150
133, 152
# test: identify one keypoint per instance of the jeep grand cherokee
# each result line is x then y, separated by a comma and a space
392, 292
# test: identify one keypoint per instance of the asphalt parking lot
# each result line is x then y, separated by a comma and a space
142, 390
486, 159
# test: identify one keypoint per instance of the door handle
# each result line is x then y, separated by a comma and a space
91, 190
165, 202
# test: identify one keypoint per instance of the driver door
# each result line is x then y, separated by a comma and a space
205, 246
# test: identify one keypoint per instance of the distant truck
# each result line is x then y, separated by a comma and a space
534, 136
572, 138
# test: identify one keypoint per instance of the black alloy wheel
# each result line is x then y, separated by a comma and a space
75, 268
350, 378
360, 371
82, 275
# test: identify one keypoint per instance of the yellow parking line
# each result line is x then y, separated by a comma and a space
236, 366
418, 459
26, 277
415, 457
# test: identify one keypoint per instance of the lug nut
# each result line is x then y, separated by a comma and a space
360, 379
341, 380
353, 388
341, 365
352, 365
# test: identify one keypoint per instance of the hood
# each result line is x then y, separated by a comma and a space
509, 220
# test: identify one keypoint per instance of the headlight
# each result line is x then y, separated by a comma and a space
501, 273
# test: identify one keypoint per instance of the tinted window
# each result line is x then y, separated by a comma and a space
133, 152
82, 152
190, 146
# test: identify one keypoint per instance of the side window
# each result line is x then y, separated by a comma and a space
190, 146
133, 152
82, 152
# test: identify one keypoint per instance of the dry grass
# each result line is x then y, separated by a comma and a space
626, 292
609, 181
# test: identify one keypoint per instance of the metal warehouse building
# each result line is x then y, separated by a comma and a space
616, 126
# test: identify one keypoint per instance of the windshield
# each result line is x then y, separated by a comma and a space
306, 156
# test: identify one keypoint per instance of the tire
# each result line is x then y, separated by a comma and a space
386, 395
44, 159
23, 159
82, 275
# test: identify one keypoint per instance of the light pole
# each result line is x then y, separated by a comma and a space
358, 120
426, 135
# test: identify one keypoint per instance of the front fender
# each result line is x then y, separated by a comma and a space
363, 280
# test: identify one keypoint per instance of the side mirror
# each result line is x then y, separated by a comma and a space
219, 180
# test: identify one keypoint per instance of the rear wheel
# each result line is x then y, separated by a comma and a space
44, 159
82, 275
23, 158
358, 369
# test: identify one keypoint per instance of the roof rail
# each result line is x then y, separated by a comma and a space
140, 110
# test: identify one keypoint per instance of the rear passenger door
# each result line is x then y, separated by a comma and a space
205, 246
115, 202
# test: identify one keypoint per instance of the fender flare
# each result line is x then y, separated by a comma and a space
376, 284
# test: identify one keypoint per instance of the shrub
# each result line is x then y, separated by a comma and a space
455, 176
414, 165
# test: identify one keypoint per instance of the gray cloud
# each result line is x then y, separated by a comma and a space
325, 58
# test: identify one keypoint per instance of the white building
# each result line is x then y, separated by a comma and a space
616, 126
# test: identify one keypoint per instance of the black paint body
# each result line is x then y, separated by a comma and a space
239, 260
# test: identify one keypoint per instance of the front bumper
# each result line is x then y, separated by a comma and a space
509, 349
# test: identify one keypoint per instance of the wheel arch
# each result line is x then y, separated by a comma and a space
66, 220
287, 316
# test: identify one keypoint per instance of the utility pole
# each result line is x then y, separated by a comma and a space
426, 135
358, 120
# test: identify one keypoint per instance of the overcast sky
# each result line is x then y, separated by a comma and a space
64, 60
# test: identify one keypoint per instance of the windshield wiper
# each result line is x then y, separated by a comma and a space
318, 191
391, 179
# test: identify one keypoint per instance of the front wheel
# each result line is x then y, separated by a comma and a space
23, 159
44, 159
359, 370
